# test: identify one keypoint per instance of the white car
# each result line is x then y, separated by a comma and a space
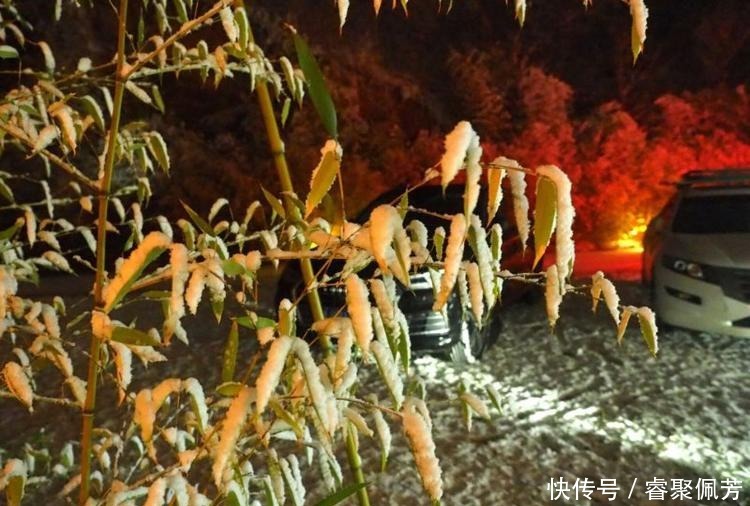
696, 255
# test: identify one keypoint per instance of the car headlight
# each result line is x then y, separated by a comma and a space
687, 267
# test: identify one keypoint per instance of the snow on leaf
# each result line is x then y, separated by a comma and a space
417, 431
343, 6
476, 404
639, 15
229, 24
324, 174
197, 402
57, 261
552, 295
484, 259
495, 191
384, 222
603, 288
451, 264
389, 372
520, 201
473, 175
475, 291
358, 306
18, 384
123, 367
14, 477
268, 378
545, 215
156, 493
31, 224
647, 321
230, 431
146, 252
564, 246
45, 138
49, 59
457, 142
521, 11
627, 312
138, 92
158, 149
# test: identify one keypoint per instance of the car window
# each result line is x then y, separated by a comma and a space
713, 214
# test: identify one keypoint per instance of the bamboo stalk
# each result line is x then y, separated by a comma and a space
101, 249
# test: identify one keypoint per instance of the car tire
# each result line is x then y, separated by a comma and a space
472, 342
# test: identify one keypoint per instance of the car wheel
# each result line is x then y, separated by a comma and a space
471, 342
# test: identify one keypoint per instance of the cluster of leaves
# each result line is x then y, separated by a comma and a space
186, 444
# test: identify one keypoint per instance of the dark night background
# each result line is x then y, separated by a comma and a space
563, 90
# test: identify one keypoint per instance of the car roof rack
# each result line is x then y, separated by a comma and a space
738, 176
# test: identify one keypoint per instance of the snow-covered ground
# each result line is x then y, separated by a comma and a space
579, 406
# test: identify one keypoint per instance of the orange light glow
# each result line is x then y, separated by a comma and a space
633, 238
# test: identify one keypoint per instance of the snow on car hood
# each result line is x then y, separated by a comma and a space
723, 250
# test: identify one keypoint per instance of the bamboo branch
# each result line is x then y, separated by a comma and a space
106, 182
42, 398
19, 134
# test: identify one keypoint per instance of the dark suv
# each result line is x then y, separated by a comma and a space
459, 336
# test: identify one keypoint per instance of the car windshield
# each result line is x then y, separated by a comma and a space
713, 214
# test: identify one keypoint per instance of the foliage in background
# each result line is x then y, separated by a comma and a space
283, 407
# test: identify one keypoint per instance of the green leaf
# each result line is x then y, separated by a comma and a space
648, 332
274, 202
129, 335
14, 490
8, 52
158, 149
259, 322
243, 26
316, 86
322, 180
6, 192
217, 306
232, 268
92, 108
229, 363
338, 496
403, 205
182, 14
231, 499
285, 110
229, 389
545, 215
404, 349
158, 99
200, 222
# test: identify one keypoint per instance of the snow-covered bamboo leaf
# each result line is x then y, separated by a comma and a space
153, 245
158, 149
18, 384
45, 138
49, 58
133, 337
545, 215
324, 175
230, 431
622, 326
552, 295
495, 191
521, 11
452, 262
14, 476
647, 321
457, 142
91, 106
138, 92
316, 86
197, 402
228, 23
639, 15
243, 27
564, 246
